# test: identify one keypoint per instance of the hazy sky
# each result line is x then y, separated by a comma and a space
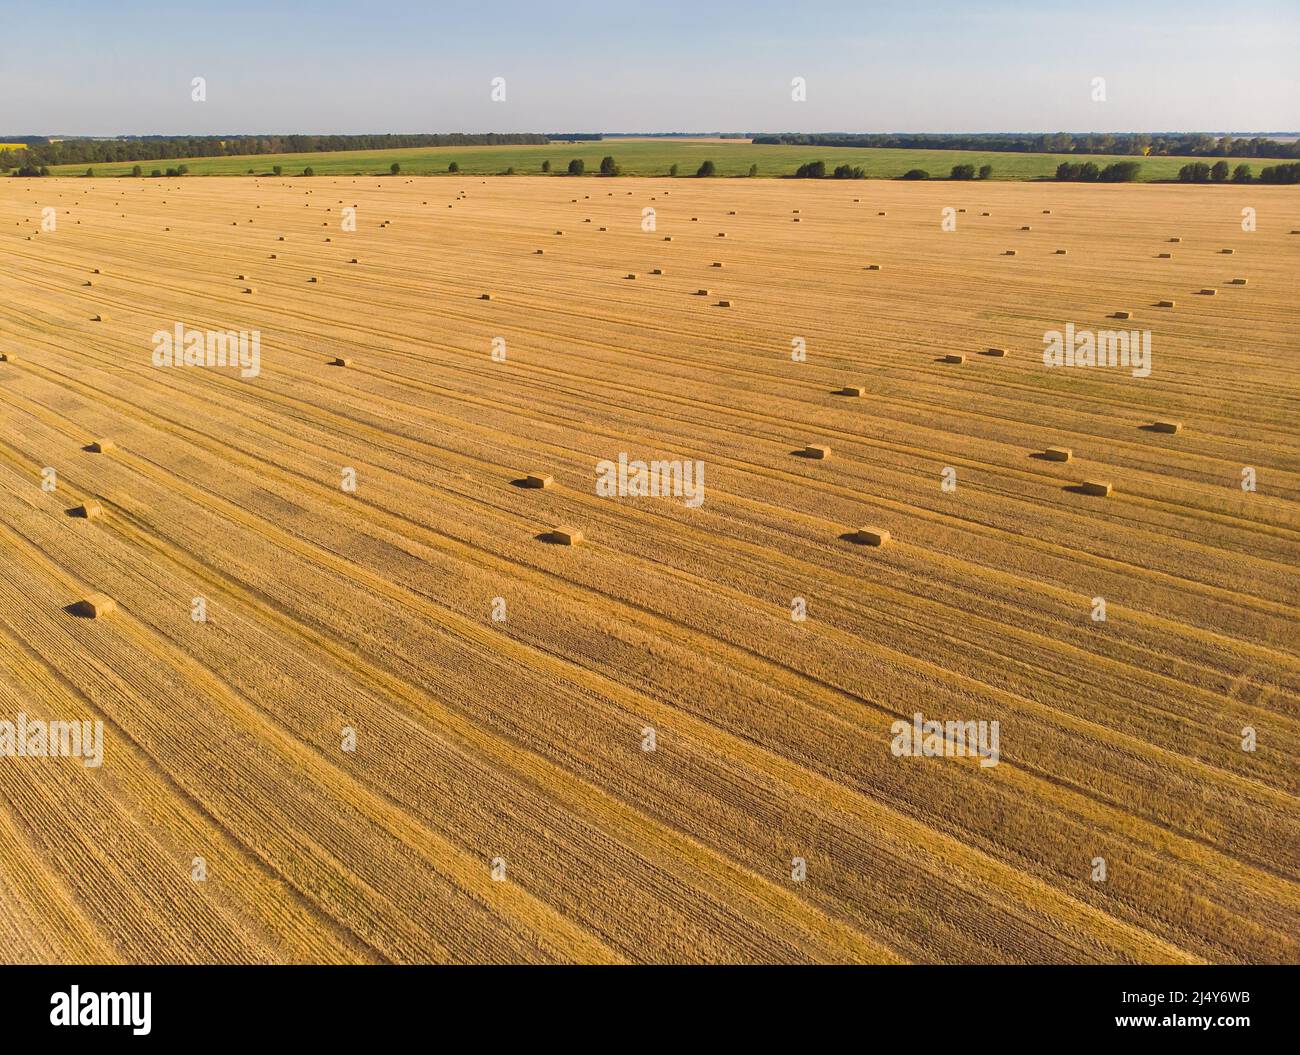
103, 68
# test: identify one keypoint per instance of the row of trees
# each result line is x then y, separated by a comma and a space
707, 169
1089, 172
1155, 144
163, 148
577, 167
1281, 174
1199, 172
817, 170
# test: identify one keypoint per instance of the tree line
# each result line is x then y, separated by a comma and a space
1089, 172
817, 170
1200, 172
165, 148
1154, 144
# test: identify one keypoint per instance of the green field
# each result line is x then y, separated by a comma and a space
636, 158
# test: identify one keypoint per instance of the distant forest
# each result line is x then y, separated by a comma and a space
41, 152
1137, 144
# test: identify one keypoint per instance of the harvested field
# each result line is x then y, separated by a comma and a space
499, 802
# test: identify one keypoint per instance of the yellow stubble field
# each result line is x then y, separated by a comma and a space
409, 728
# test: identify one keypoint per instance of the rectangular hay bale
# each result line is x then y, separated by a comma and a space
95, 606
871, 536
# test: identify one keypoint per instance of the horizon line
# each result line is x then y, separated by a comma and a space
678, 133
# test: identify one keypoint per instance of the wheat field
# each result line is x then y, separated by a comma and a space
371, 568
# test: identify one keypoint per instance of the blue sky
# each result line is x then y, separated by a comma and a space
125, 67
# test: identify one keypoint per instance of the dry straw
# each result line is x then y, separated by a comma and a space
95, 606
870, 536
